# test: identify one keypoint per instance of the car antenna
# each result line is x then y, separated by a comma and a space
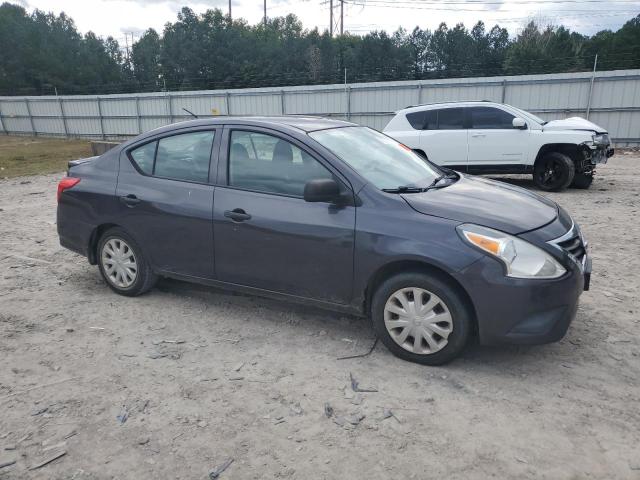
190, 113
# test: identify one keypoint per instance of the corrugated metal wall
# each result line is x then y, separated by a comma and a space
610, 99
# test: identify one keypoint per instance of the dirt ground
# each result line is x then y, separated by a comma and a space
20, 155
178, 382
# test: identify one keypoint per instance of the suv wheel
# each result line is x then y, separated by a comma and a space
421, 318
123, 265
553, 172
582, 180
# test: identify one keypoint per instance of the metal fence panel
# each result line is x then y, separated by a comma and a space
612, 102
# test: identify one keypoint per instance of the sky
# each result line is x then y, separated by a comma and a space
124, 18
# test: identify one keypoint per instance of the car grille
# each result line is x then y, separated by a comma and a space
574, 246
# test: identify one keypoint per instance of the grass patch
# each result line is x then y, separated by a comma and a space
21, 156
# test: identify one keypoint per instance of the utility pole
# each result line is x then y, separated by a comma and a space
331, 18
265, 13
229, 9
593, 78
341, 17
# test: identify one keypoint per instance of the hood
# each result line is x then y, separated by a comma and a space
488, 203
573, 123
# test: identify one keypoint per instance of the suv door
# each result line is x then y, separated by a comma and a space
166, 200
444, 136
492, 138
266, 236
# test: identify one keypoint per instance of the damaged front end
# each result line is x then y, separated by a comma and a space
594, 152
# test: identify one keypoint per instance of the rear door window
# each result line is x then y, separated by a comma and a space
451, 119
490, 118
184, 157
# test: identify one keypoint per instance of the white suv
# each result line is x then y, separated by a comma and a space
487, 137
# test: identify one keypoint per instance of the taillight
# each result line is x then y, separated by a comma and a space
66, 183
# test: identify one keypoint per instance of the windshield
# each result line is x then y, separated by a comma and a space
533, 117
379, 159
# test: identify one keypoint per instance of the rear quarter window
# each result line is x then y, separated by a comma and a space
143, 157
416, 119
424, 120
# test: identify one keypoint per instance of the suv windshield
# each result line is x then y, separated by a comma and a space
379, 159
524, 113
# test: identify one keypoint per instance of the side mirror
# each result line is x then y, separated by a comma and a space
321, 190
519, 123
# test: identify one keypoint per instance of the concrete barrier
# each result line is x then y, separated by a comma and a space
98, 148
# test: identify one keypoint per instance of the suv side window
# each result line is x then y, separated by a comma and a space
269, 164
490, 118
450, 119
425, 120
416, 119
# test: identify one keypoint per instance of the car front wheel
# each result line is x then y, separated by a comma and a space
123, 265
554, 172
421, 318
582, 180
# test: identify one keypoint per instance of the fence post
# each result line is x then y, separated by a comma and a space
349, 103
33, 128
169, 107
138, 115
101, 118
4, 129
504, 90
227, 97
64, 119
419, 94
593, 78
283, 109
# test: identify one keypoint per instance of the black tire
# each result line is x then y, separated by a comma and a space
554, 172
582, 180
461, 316
145, 279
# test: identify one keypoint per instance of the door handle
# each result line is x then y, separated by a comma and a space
237, 215
130, 200
479, 135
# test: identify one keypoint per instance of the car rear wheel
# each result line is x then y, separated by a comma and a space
582, 180
123, 265
421, 318
554, 172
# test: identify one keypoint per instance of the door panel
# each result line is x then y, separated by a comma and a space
170, 219
492, 138
445, 147
288, 245
444, 138
265, 235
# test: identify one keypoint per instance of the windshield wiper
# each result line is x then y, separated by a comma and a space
404, 189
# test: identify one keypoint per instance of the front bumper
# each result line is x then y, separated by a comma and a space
522, 311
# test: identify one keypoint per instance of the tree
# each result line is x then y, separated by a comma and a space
41, 53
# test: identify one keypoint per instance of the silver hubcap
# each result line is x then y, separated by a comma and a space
418, 320
119, 263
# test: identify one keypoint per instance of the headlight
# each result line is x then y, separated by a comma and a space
521, 258
601, 139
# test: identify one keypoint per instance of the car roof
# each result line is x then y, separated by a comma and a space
452, 104
304, 123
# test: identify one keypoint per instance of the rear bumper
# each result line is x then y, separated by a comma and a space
521, 311
73, 234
